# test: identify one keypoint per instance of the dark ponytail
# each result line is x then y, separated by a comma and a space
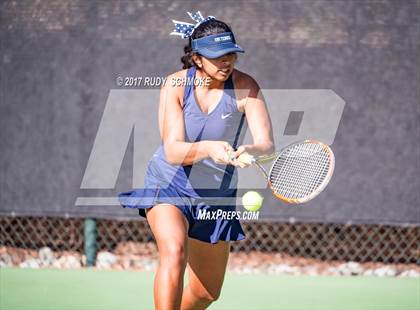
187, 58
212, 26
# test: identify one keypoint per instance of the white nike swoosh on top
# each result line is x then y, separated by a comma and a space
224, 116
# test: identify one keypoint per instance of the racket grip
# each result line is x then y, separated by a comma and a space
230, 155
246, 158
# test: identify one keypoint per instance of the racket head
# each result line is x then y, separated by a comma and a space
301, 171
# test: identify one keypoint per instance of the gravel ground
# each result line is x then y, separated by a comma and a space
144, 257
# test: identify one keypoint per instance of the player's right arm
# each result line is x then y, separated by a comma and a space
172, 130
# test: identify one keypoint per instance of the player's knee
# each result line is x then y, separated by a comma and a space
214, 296
174, 255
207, 296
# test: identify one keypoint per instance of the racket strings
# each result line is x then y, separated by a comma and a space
302, 181
307, 181
300, 177
297, 186
286, 162
300, 170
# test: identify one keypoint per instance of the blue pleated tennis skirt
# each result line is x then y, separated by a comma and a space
206, 230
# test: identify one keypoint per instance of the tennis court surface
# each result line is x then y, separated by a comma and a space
100, 289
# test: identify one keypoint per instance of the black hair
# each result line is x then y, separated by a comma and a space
212, 26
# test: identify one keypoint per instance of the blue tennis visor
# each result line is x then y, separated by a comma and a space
216, 45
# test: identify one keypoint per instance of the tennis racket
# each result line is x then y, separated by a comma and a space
300, 171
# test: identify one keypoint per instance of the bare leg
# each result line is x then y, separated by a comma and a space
206, 271
170, 227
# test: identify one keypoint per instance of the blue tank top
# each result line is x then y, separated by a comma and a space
204, 178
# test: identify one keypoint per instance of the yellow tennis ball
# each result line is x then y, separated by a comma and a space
252, 201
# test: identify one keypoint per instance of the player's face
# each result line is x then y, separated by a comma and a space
219, 68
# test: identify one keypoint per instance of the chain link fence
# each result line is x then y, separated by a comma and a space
360, 243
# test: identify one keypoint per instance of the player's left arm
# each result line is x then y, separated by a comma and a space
258, 119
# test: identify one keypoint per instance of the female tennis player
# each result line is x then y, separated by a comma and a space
200, 124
